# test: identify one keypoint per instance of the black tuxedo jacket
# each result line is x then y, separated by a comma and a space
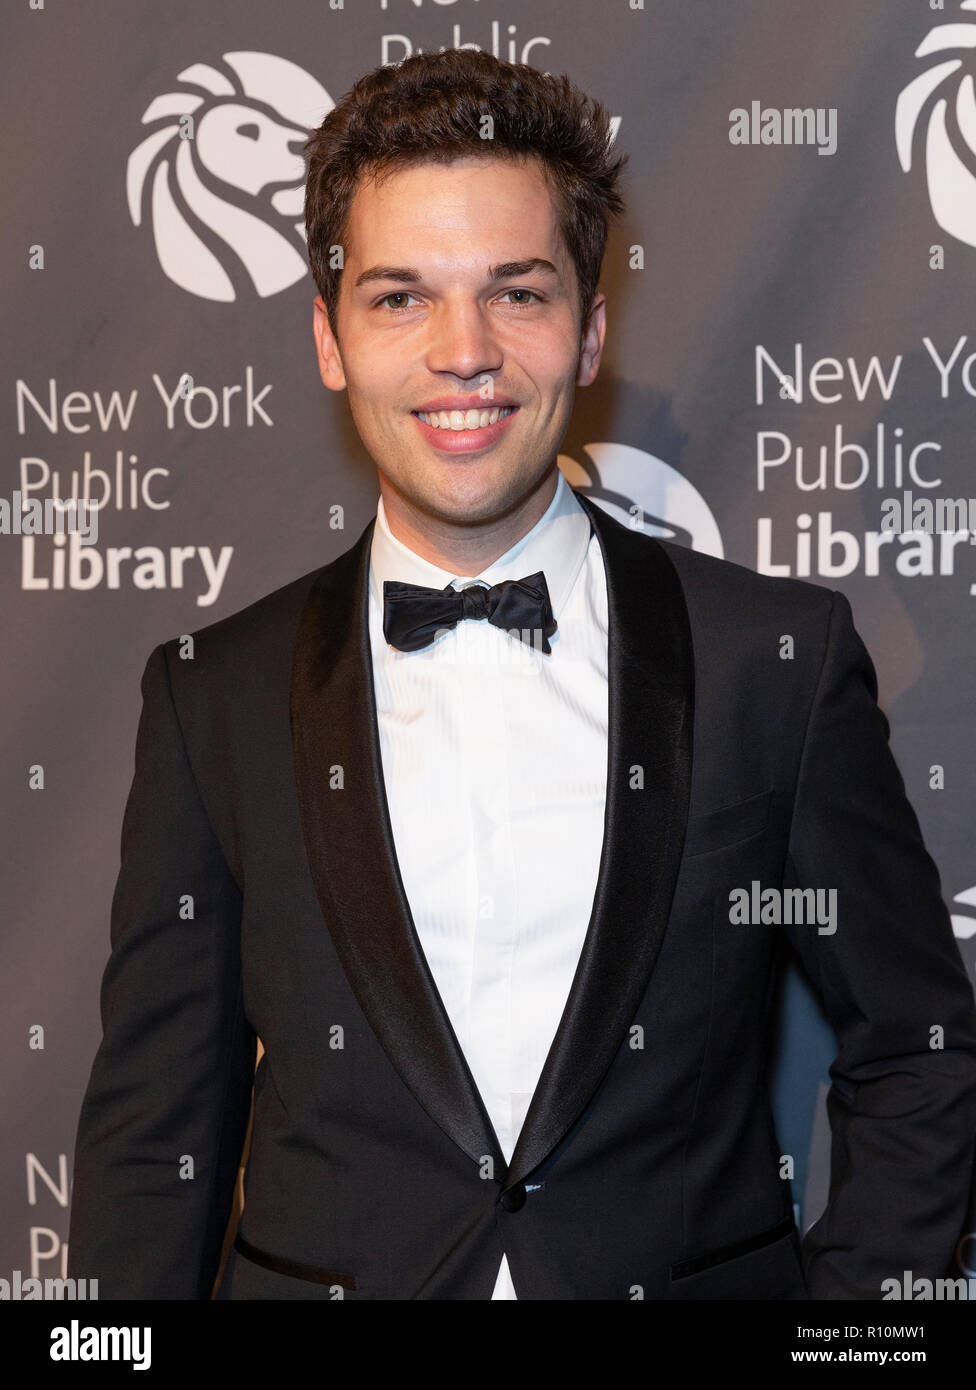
260, 896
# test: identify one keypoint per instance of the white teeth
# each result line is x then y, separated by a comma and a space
464, 419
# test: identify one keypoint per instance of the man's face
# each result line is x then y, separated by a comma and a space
434, 311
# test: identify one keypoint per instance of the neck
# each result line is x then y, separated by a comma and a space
464, 550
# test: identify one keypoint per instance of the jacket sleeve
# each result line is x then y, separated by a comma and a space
902, 1104
164, 1117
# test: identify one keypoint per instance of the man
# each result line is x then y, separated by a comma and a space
459, 817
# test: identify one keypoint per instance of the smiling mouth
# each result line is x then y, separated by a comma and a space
464, 420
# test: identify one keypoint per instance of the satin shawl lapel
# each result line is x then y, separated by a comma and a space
651, 704
352, 857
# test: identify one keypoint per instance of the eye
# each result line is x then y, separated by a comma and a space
405, 294
533, 293
396, 294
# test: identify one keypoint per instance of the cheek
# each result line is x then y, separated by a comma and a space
366, 417
369, 394
551, 363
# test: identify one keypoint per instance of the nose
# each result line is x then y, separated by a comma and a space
462, 340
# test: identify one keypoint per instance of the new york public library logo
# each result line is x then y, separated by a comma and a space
936, 112
219, 178
774, 907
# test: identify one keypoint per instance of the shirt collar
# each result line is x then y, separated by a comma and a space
556, 545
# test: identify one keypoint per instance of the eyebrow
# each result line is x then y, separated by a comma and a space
505, 271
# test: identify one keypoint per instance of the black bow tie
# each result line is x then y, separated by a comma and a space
413, 614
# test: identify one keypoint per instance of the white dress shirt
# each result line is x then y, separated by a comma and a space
495, 764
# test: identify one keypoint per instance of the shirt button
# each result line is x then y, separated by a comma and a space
514, 1198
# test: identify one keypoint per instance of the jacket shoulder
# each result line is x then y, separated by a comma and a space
722, 588
261, 632
253, 633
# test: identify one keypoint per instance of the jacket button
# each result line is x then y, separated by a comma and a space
514, 1198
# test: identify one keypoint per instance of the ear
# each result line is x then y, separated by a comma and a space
327, 348
591, 346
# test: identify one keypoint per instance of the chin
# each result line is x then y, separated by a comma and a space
467, 494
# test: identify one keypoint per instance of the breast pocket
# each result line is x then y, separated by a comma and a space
251, 1273
727, 825
764, 1266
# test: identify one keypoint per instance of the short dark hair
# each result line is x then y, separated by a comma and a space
431, 106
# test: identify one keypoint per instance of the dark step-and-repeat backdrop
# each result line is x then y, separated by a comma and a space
789, 382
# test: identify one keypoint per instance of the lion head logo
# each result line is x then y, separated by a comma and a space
963, 925
220, 177
635, 488
944, 92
